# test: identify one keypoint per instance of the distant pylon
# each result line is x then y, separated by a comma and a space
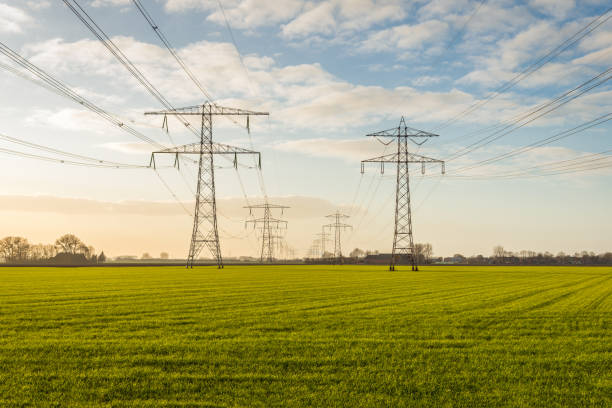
205, 231
403, 243
267, 224
338, 227
323, 240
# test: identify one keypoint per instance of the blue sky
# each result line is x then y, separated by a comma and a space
328, 72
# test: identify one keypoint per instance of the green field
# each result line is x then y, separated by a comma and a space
313, 336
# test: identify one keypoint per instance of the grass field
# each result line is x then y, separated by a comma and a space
314, 336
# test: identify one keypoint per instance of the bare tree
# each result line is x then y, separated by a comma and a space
69, 244
427, 252
37, 252
357, 253
14, 249
499, 252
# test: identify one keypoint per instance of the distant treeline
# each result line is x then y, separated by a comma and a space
424, 255
526, 257
67, 250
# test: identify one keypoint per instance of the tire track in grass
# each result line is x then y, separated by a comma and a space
532, 293
563, 296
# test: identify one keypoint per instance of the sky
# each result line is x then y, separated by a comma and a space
328, 72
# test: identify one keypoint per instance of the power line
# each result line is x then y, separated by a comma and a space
195, 80
554, 138
540, 110
56, 86
533, 67
171, 49
70, 162
93, 27
64, 153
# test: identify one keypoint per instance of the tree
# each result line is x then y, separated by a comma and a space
427, 251
499, 252
101, 257
145, 256
357, 253
70, 244
327, 254
37, 252
49, 251
163, 255
13, 249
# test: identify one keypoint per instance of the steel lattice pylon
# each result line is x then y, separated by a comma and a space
267, 223
337, 226
403, 242
205, 231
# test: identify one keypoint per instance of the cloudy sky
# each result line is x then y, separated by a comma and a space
329, 72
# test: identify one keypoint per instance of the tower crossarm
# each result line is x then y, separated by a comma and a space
266, 206
208, 109
410, 158
403, 159
197, 148
338, 226
217, 148
404, 131
269, 220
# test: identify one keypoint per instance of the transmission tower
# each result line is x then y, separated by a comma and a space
323, 240
267, 224
337, 227
205, 232
403, 243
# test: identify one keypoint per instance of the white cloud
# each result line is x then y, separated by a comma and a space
406, 36
253, 13
319, 19
185, 5
75, 120
347, 149
298, 96
427, 80
557, 8
103, 3
39, 4
12, 19
128, 147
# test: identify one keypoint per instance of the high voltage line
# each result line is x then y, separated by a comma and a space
93, 27
100, 164
536, 113
535, 66
556, 137
165, 41
53, 84
147, 16
105, 163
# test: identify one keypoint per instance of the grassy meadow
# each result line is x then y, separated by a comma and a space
315, 336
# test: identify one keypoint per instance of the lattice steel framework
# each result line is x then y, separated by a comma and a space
267, 224
403, 242
338, 226
323, 240
205, 231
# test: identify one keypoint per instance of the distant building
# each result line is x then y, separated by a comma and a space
126, 258
383, 259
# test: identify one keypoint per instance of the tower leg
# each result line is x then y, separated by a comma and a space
403, 244
205, 232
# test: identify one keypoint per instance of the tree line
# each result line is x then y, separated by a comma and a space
67, 249
501, 256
